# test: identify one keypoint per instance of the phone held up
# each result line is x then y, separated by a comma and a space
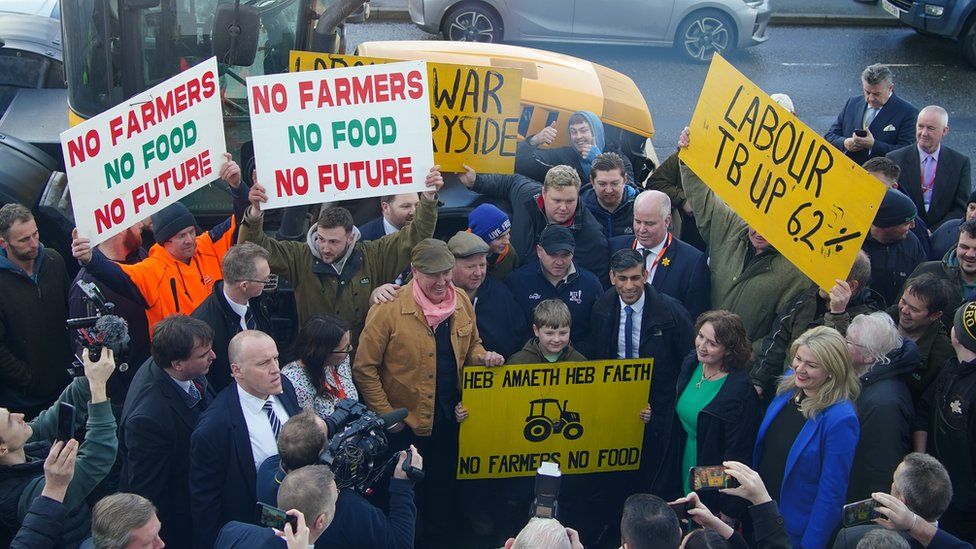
710, 477
66, 422
272, 517
860, 512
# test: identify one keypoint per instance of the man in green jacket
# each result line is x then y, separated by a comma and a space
334, 271
24, 447
749, 276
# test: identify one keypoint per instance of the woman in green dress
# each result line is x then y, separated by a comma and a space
717, 410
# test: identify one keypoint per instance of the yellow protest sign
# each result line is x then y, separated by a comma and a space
474, 111
788, 183
581, 415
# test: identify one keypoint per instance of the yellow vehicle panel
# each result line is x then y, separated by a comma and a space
551, 81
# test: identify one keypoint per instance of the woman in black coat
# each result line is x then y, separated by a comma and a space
717, 414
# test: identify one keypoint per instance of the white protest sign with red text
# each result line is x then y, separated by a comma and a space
339, 134
145, 153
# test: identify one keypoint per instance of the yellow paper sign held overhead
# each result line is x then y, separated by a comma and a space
474, 111
788, 183
581, 415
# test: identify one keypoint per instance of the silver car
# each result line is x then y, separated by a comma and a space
697, 28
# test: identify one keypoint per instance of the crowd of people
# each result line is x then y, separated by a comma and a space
805, 399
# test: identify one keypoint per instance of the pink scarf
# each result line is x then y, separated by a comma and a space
439, 312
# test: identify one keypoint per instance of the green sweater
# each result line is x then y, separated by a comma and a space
96, 455
531, 353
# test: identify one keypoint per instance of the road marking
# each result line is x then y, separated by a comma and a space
808, 64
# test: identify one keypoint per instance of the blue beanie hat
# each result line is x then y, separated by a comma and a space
171, 220
488, 222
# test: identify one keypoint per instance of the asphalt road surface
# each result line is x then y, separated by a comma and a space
818, 67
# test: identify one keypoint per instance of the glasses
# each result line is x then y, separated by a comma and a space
849, 342
345, 351
270, 285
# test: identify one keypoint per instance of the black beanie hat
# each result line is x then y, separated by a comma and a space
965, 325
171, 220
896, 208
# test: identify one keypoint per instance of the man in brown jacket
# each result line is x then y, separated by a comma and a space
410, 355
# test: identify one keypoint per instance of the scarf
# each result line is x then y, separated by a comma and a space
439, 312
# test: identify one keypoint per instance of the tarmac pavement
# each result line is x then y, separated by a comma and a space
785, 12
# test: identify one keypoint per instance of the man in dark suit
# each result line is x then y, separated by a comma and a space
235, 304
936, 177
236, 434
632, 319
398, 211
164, 402
309, 493
674, 267
885, 120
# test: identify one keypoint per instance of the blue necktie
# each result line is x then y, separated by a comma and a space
194, 393
628, 333
272, 417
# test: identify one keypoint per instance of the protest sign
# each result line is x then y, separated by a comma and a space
145, 153
581, 415
474, 110
341, 134
800, 193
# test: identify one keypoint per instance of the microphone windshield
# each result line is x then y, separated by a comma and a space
115, 332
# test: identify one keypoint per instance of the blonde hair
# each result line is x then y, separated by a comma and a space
551, 313
561, 176
830, 349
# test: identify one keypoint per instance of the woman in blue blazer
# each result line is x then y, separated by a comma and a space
807, 439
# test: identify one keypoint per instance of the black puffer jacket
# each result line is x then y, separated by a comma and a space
886, 412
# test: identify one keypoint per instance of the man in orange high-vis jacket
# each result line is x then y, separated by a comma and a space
182, 266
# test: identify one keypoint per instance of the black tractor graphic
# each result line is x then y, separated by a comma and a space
547, 416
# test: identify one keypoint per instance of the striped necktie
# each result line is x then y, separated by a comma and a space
272, 417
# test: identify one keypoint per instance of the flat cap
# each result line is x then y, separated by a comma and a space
431, 255
466, 244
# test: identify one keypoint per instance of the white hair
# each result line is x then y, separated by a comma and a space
784, 101
876, 334
938, 111
542, 533
663, 199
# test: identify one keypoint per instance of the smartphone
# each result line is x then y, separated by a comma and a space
66, 422
859, 512
861, 133
272, 517
680, 509
709, 477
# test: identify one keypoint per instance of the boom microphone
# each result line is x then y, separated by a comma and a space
390, 419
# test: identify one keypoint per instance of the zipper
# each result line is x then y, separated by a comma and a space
176, 298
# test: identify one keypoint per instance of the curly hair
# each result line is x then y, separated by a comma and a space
730, 333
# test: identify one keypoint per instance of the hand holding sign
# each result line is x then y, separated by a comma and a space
493, 359
460, 413
468, 177
840, 296
80, 247
230, 171
435, 181
257, 195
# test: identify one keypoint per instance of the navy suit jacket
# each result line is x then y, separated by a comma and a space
684, 275
223, 478
896, 113
953, 183
372, 230
818, 469
237, 535
154, 447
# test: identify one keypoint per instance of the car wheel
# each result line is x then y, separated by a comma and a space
968, 43
703, 34
472, 23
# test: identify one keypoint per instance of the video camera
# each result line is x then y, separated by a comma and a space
102, 329
358, 445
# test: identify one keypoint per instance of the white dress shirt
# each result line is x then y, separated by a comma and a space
263, 442
635, 319
651, 256
388, 227
241, 310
